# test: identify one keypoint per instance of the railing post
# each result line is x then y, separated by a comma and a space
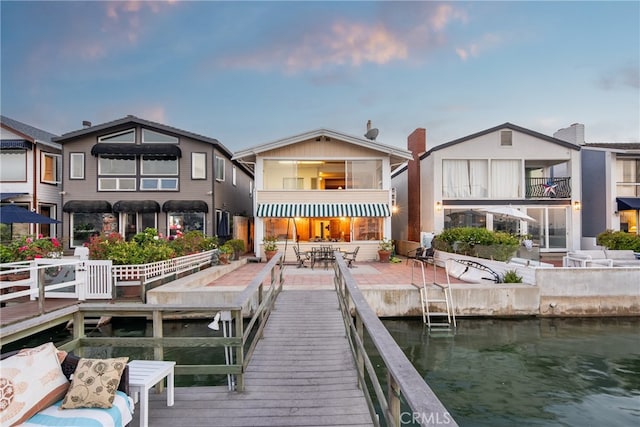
393, 398
39, 277
158, 350
359, 355
239, 332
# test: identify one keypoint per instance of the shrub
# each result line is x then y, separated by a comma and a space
511, 276
237, 245
615, 240
478, 242
27, 248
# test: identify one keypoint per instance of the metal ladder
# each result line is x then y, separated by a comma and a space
446, 315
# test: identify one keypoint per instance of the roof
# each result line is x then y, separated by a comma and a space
133, 120
398, 155
32, 133
503, 126
614, 145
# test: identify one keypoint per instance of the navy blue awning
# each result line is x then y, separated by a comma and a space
185, 206
8, 144
628, 203
89, 206
142, 206
164, 150
6, 196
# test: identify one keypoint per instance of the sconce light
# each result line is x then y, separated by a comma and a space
438, 206
394, 209
577, 205
62, 193
209, 193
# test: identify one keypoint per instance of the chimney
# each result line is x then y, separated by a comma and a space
368, 125
86, 124
417, 144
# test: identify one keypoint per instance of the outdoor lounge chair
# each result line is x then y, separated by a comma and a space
421, 254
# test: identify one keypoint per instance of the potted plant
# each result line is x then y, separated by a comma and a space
385, 246
237, 245
225, 251
270, 246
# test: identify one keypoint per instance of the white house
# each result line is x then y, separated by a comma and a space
323, 186
506, 165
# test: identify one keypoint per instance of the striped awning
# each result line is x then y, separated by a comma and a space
322, 210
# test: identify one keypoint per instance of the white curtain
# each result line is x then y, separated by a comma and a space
463, 179
478, 178
505, 179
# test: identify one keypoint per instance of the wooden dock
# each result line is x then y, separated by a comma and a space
301, 374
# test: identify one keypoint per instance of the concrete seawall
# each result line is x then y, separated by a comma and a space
559, 292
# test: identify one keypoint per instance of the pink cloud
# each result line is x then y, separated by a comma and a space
474, 49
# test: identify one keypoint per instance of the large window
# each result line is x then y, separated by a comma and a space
628, 177
159, 184
159, 165
322, 174
13, 165
76, 168
121, 165
181, 222
50, 168
86, 225
329, 229
463, 179
151, 137
506, 179
454, 218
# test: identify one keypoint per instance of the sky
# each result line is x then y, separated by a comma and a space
249, 73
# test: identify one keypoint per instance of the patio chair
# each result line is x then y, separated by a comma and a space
421, 254
301, 257
350, 257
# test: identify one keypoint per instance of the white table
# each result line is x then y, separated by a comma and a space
144, 374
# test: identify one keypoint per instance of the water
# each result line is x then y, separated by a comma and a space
534, 372
525, 372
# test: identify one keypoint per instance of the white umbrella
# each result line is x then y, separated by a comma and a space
509, 212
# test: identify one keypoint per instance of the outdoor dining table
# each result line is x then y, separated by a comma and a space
323, 254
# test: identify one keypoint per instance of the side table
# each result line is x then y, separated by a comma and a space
144, 374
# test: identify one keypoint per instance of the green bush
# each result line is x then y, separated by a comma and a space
511, 276
615, 240
237, 245
148, 247
477, 242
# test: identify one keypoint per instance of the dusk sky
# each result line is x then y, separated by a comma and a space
249, 73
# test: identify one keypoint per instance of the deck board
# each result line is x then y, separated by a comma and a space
301, 374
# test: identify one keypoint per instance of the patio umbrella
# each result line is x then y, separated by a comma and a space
12, 214
509, 212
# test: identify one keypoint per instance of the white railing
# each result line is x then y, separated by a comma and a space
147, 273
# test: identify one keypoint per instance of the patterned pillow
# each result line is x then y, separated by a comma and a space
30, 381
94, 383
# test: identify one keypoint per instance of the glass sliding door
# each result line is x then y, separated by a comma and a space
550, 228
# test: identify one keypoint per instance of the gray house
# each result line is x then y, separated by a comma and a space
30, 176
131, 174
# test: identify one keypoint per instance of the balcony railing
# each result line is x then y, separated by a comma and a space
548, 188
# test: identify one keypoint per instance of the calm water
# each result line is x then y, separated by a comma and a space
525, 372
537, 372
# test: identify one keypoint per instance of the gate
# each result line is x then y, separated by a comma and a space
99, 279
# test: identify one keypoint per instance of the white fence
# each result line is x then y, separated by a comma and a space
90, 279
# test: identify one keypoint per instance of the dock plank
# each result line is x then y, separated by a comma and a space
301, 374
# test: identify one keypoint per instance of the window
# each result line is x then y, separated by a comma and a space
49, 168
292, 183
323, 174
76, 169
505, 179
151, 137
127, 136
220, 168
116, 184
158, 165
158, 184
122, 165
233, 175
181, 222
198, 166
364, 174
13, 165
86, 225
506, 138
464, 178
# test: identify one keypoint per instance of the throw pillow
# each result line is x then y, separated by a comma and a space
30, 381
94, 383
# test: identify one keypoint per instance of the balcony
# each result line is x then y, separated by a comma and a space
548, 188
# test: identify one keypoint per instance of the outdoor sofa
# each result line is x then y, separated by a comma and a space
601, 258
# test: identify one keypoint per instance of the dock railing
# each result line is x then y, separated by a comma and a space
243, 335
404, 383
